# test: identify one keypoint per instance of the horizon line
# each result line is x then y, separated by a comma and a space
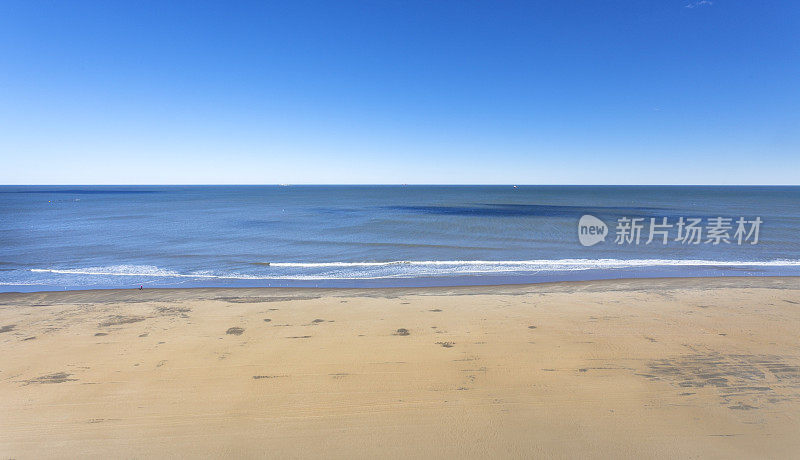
302, 184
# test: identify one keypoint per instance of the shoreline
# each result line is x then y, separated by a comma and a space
723, 280
655, 368
126, 277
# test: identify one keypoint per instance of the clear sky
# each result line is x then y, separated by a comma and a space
569, 92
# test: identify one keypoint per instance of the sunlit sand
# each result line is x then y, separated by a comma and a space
662, 368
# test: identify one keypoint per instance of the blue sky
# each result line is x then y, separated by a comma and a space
594, 92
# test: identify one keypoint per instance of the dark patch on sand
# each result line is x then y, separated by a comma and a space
402, 331
741, 381
117, 320
235, 331
435, 310
531, 327
8, 328
317, 321
174, 311
650, 339
101, 420
742, 406
264, 299
57, 377
144, 335
299, 337
480, 369
29, 338
259, 377
446, 344
266, 320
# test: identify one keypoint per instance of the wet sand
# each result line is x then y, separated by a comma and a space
664, 368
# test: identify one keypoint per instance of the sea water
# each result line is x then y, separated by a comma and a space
82, 237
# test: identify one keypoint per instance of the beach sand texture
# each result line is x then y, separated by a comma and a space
660, 368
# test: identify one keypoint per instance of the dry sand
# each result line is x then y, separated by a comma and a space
704, 368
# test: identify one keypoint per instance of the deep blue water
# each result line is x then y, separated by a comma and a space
80, 237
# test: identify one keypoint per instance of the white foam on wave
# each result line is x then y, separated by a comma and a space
113, 270
411, 269
578, 263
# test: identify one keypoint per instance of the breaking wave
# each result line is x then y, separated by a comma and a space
407, 269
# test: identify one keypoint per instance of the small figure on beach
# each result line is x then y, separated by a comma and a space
141, 287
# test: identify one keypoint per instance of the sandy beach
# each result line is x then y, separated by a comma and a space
659, 368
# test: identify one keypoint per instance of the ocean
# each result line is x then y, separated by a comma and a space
87, 237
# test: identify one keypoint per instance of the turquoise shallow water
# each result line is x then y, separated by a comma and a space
80, 237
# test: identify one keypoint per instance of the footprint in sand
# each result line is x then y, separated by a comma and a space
117, 320
57, 377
